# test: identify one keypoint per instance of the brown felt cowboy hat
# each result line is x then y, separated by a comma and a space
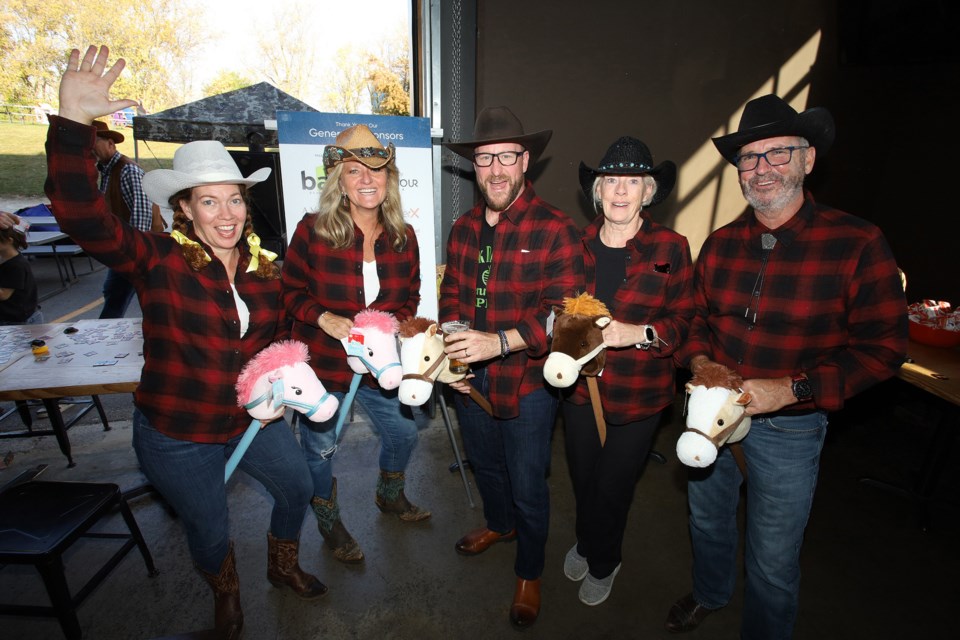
103, 131
769, 117
357, 144
630, 157
498, 124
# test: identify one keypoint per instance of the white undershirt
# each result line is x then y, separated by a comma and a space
242, 310
371, 282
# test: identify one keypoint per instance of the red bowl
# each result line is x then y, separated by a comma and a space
925, 334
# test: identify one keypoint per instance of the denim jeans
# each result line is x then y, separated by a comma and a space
510, 459
117, 294
393, 421
604, 479
189, 476
35, 318
783, 459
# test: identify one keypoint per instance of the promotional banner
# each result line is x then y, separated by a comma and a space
303, 135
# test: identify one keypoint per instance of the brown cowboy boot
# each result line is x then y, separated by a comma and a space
228, 618
283, 569
390, 498
345, 548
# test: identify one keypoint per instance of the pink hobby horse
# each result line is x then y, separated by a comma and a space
276, 378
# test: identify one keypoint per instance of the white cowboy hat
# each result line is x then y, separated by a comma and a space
194, 164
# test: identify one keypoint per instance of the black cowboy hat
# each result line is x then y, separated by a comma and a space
498, 124
630, 157
769, 117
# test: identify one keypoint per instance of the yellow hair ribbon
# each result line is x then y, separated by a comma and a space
184, 241
253, 240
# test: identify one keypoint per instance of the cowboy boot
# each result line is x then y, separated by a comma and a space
390, 498
338, 539
283, 569
228, 618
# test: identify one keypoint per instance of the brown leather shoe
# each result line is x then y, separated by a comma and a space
479, 540
686, 614
526, 604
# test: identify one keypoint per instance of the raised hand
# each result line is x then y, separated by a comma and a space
85, 88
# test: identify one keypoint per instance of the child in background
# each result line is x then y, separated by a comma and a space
18, 289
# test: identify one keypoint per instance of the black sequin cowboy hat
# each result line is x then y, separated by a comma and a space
630, 157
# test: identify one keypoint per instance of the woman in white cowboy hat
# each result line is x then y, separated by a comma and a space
355, 253
642, 272
211, 301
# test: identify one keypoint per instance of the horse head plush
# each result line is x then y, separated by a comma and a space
372, 346
422, 360
716, 415
423, 363
577, 348
279, 377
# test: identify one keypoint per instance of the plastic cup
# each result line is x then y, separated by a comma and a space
456, 326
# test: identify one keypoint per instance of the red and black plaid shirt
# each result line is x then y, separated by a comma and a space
658, 291
317, 278
536, 263
192, 349
831, 304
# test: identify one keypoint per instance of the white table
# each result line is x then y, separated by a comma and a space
75, 366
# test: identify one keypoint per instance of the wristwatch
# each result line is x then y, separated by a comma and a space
649, 337
801, 388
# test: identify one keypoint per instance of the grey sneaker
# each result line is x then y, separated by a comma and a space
575, 565
593, 591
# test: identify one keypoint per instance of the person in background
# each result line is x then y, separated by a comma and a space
18, 289
121, 183
211, 302
805, 303
355, 253
510, 259
642, 272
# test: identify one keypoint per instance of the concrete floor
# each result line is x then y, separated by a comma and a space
869, 571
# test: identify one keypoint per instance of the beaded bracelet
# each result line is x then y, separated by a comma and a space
504, 345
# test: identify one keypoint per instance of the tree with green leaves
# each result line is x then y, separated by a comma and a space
226, 81
155, 37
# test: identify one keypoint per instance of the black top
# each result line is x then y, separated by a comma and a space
15, 274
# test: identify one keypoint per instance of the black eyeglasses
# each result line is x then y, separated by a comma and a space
506, 158
774, 157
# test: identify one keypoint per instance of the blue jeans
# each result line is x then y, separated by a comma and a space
783, 459
117, 294
393, 421
510, 459
189, 476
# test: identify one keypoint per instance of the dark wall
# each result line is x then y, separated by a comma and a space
675, 74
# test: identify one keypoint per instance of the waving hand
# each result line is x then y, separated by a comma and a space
85, 88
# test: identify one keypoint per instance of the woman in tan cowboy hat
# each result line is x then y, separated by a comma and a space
355, 253
642, 272
211, 301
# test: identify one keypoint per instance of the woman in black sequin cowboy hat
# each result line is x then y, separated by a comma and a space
642, 272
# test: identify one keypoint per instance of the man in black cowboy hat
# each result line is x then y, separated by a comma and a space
804, 302
510, 259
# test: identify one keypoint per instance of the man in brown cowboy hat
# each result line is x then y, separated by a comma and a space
804, 301
121, 184
510, 259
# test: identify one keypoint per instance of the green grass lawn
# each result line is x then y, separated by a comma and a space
23, 162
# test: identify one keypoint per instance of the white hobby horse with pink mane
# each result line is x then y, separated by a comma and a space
276, 378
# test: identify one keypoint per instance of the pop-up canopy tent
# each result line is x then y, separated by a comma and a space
234, 118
